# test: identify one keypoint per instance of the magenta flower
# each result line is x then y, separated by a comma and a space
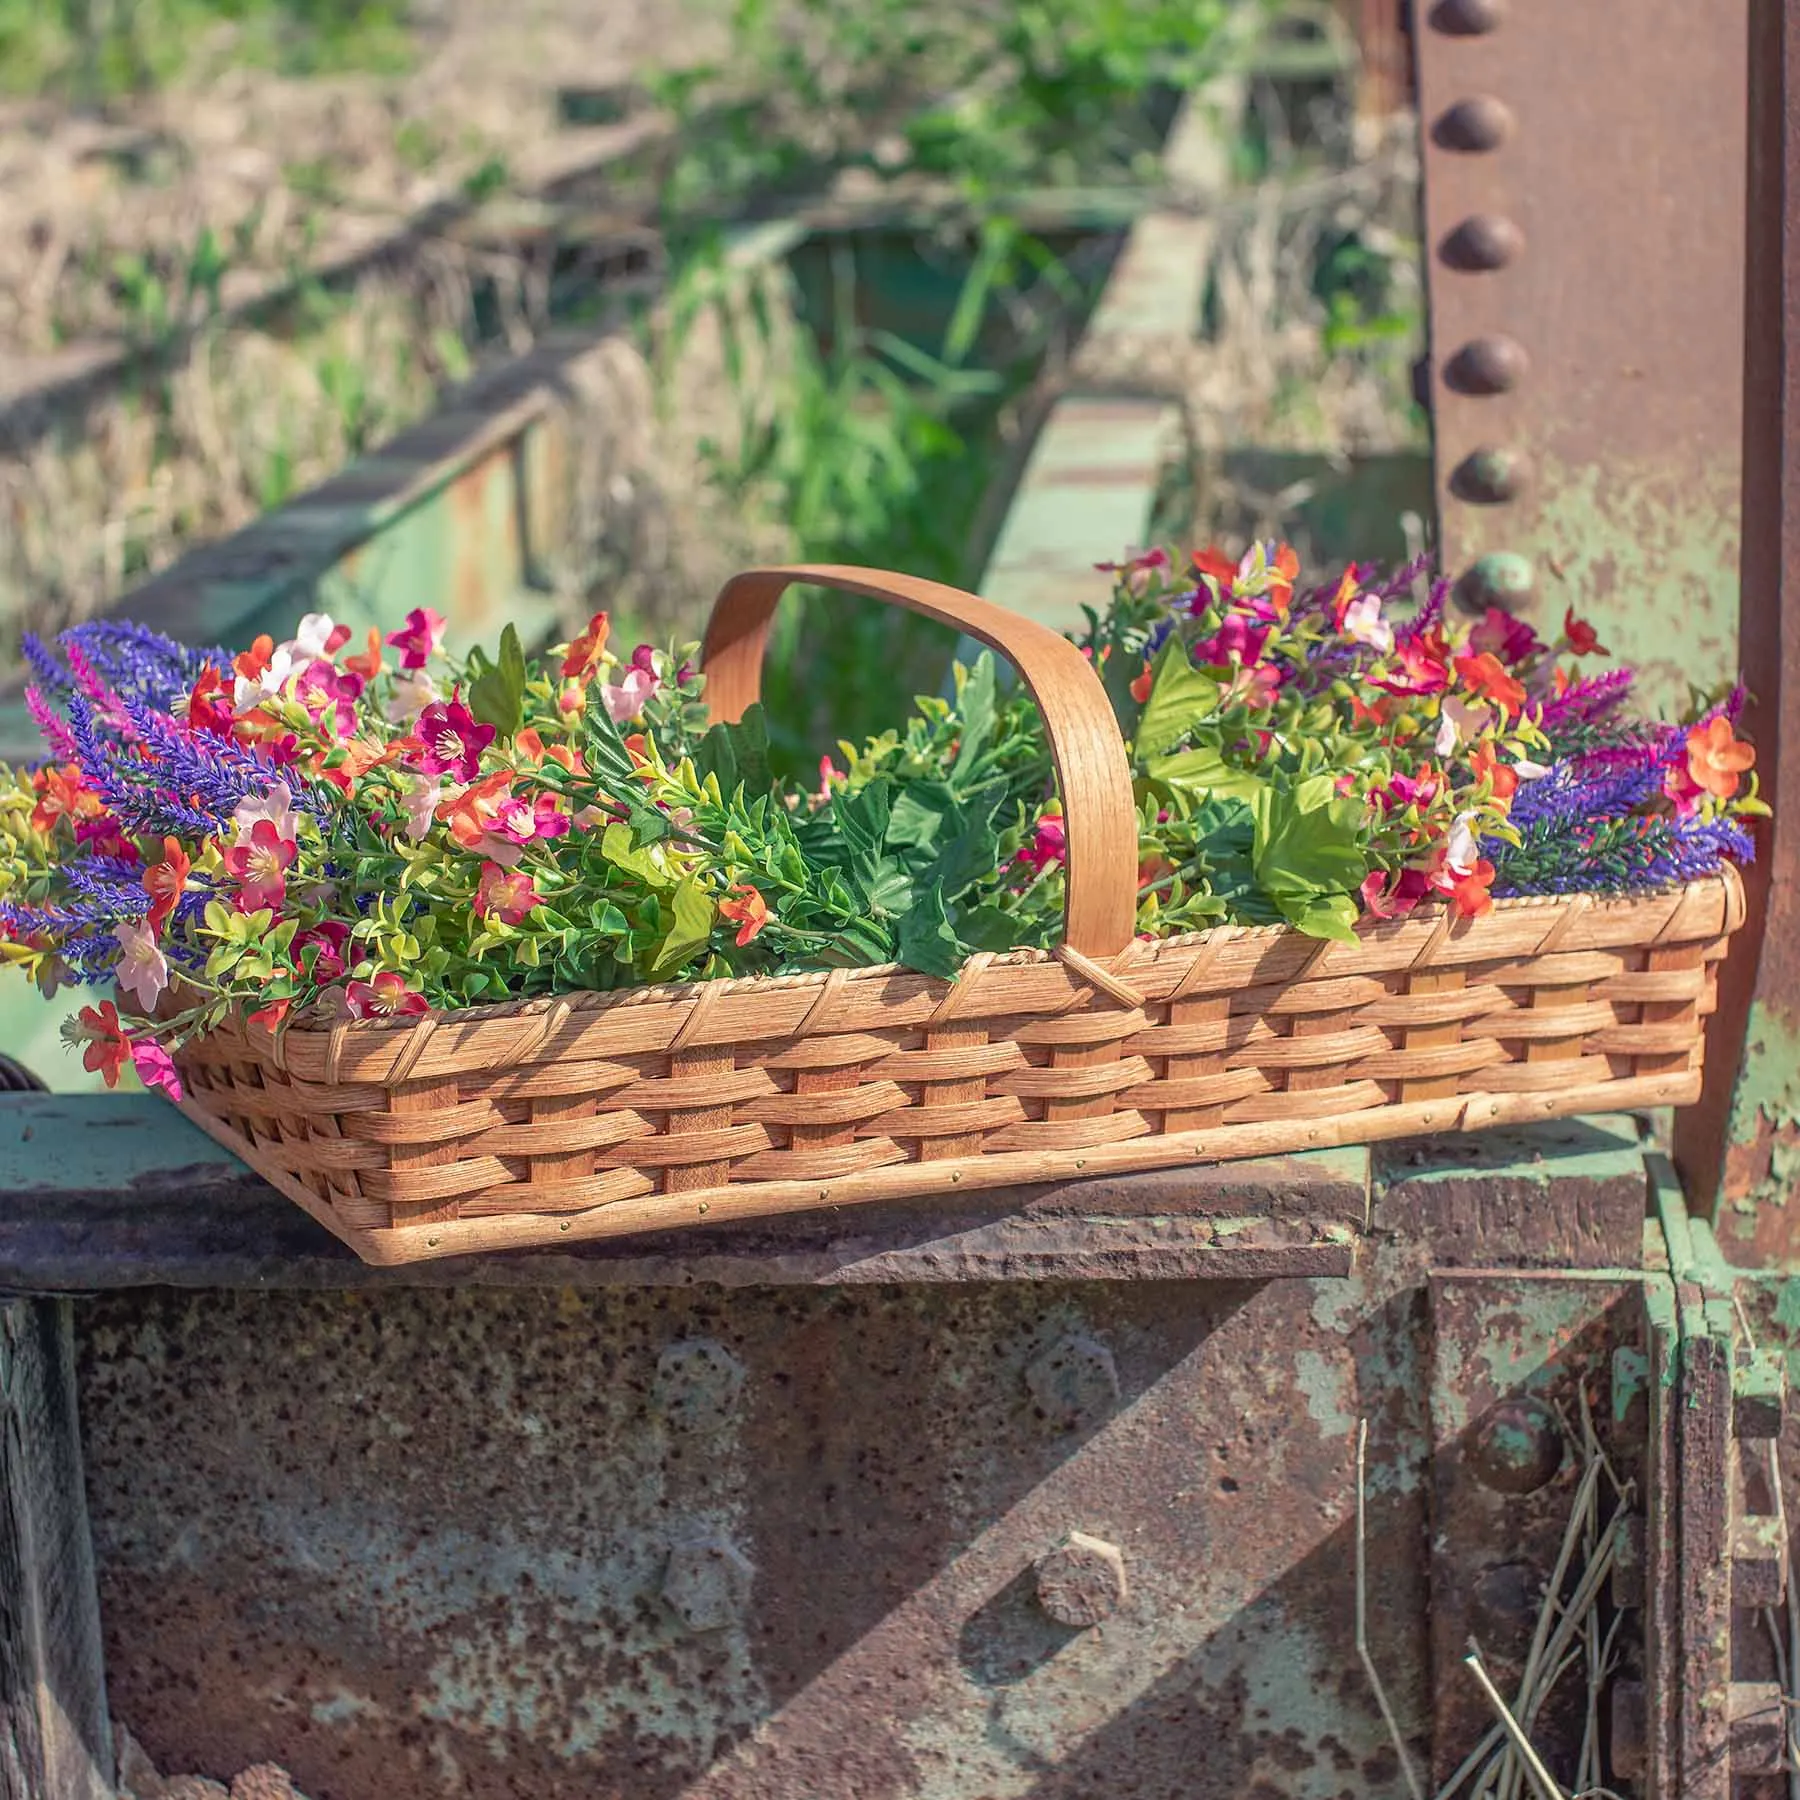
329, 695
450, 742
155, 1068
505, 894
1510, 639
419, 639
1049, 844
1237, 640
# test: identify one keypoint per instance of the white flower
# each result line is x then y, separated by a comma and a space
312, 638
143, 971
1363, 622
413, 692
277, 806
1531, 771
248, 690
1461, 851
1458, 723
420, 803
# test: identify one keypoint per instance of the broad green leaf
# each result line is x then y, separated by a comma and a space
977, 701
497, 695
690, 926
618, 847
927, 942
1303, 850
1202, 773
738, 754
1325, 916
1180, 696
862, 822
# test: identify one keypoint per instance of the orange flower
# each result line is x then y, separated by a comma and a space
1153, 869
164, 882
530, 744
1583, 639
1214, 562
272, 1014
62, 795
108, 1048
585, 653
353, 760
749, 914
1487, 766
1487, 676
1284, 568
367, 666
471, 814
1140, 688
1470, 895
1378, 714
251, 663
1716, 758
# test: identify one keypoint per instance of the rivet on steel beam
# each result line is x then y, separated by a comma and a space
1519, 1447
1758, 1560
1502, 579
1505, 1603
1082, 1581
707, 1583
1487, 365
697, 1384
1476, 124
1483, 242
1467, 18
1630, 1729
1072, 1380
1758, 1396
1490, 476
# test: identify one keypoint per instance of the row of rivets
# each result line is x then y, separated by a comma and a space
1492, 475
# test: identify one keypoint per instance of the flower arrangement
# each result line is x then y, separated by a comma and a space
311, 829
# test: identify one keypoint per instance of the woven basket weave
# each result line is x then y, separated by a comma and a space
594, 1115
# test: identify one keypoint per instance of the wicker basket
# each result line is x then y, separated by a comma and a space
594, 1115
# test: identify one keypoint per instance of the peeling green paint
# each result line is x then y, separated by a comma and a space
1325, 1381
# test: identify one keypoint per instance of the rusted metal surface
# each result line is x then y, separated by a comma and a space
1511, 1358
134, 1196
1384, 45
1739, 1150
514, 1544
1586, 260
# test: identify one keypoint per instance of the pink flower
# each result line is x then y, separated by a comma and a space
1510, 639
259, 866
328, 941
505, 894
1140, 568
1254, 687
1459, 723
419, 639
1393, 897
451, 742
329, 696
386, 997
522, 821
155, 1068
277, 806
626, 701
1410, 790
316, 637
413, 692
143, 971
1049, 844
1237, 640
1680, 786
423, 796
1363, 624
830, 775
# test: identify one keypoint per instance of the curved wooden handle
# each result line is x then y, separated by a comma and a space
1100, 818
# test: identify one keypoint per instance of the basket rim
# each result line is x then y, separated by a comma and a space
1141, 949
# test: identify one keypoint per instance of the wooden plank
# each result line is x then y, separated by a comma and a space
55, 1743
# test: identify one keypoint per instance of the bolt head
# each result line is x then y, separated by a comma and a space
1477, 124
698, 1383
1082, 1581
1490, 476
1519, 1447
1467, 18
707, 1583
1485, 242
1505, 1604
1074, 1379
1487, 365
1502, 579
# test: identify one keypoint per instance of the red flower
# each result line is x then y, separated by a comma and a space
450, 742
105, 836
1583, 639
1487, 677
1716, 758
419, 639
1424, 665
1393, 897
272, 1014
108, 1048
1470, 894
585, 653
164, 882
386, 997
259, 866
505, 894
209, 704
1140, 687
750, 914
1236, 640
1510, 639
1214, 565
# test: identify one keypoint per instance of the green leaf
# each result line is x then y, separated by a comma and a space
927, 941
619, 848
1202, 773
738, 754
1324, 916
990, 928
690, 926
862, 822
497, 695
1180, 696
977, 704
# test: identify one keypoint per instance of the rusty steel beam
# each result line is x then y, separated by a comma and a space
1382, 29
1737, 1149
1586, 265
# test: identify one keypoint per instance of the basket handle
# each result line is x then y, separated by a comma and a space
1100, 817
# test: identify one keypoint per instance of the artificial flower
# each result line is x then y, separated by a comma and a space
419, 639
747, 910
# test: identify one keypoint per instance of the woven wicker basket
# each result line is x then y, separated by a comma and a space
595, 1115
